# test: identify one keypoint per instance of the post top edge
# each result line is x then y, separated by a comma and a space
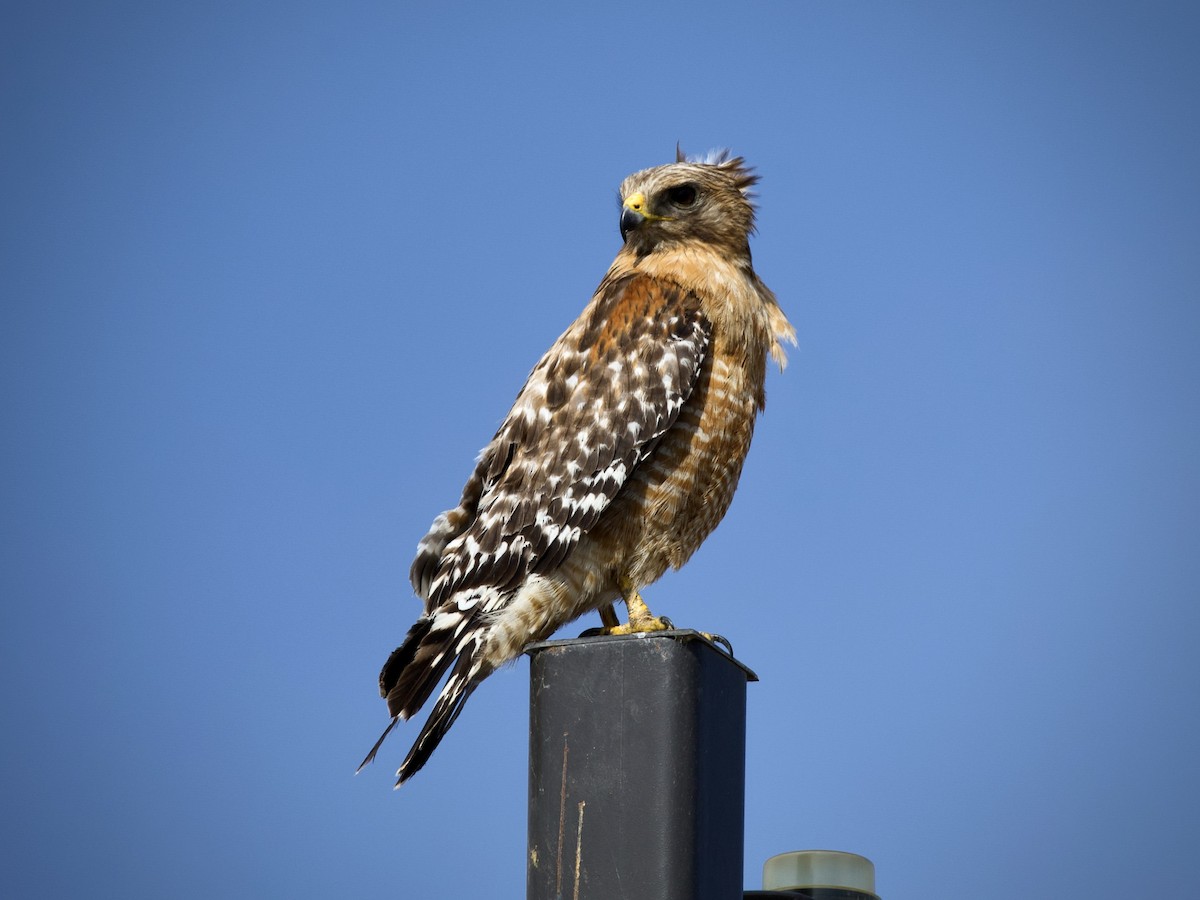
680, 635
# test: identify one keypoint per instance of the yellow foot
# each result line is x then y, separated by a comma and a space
642, 626
641, 621
640, 618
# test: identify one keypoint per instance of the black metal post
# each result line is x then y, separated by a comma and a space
637, 754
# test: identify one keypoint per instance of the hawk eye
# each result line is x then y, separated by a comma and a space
683, 195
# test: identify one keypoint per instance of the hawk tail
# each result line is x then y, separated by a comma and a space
465, 677
413, 671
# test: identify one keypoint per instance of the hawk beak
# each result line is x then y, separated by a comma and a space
634, 213
630, 219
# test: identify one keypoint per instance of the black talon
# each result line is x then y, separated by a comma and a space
723, 641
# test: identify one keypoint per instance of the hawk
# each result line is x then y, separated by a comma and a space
619, 457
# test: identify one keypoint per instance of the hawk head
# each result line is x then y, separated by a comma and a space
706, 199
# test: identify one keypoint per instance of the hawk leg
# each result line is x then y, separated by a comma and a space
640, 620
608, 616
640, 617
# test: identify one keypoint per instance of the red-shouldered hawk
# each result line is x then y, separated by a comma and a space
618, 458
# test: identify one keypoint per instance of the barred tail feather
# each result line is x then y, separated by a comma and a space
402, 657
432, 645
398, 662
467, 673
370, 757
410, 674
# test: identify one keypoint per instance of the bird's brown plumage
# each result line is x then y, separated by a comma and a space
620, 455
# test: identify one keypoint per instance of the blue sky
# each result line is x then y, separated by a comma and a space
272, 274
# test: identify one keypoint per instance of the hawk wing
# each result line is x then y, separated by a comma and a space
592, 409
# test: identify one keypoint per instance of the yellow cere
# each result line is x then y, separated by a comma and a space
637, 203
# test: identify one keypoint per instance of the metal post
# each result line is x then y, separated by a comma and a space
637, 758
